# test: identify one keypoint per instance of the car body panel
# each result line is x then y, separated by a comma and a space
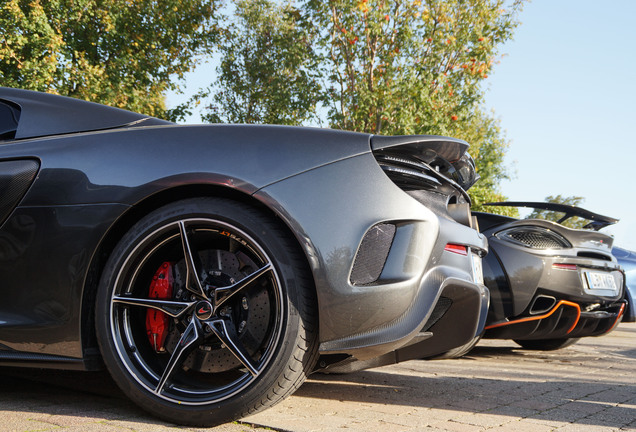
82, 165
97, 177
391, 312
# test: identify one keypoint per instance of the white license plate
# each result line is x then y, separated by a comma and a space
600, 281
478, 271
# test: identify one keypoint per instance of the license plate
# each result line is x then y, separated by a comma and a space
600, 281
478, 272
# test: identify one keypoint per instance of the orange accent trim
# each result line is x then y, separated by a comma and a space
618, 318
540, 317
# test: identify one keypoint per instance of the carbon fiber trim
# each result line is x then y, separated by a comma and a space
15, 179
443, 304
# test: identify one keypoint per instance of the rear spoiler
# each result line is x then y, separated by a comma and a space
597, 221
450, 149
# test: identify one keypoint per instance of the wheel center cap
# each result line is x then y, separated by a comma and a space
203, 310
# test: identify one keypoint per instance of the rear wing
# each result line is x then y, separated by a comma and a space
597, 221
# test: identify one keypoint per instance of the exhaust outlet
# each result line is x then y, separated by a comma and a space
541, 304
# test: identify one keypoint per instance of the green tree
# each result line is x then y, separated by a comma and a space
403, 67
267, 72
554, 216
488, 146
124, 53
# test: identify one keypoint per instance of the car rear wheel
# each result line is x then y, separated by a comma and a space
546, 344
205, 312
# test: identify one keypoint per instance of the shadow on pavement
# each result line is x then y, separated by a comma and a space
65, 393
579, 385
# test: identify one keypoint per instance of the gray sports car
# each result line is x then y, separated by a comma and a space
549, 284
211, 268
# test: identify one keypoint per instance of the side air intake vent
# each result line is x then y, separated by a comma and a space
372, 254
15, 179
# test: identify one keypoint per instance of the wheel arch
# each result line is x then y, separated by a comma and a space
124, 223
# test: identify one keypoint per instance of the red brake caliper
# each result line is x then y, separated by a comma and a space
157, 321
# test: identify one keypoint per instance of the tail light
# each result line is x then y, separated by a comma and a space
455, 248
564, 266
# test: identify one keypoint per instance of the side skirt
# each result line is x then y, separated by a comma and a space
47, 361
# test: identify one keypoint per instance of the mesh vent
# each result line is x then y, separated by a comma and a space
15, 179
535, 238
372, 254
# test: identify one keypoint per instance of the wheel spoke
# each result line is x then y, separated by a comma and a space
227, 335
173, 308
193, 283
189, 341
221, 295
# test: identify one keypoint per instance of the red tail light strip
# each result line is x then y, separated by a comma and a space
564, 266
455, 248
540, 317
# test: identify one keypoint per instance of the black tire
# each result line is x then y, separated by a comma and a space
458, 352
546, 344
241, 320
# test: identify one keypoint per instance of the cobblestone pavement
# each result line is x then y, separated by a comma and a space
590, 386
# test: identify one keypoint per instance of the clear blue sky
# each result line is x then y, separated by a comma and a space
565, 92
566, 96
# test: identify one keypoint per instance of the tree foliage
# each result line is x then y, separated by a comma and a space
403, 67
267, 72
124, 53
416, 67
488, 146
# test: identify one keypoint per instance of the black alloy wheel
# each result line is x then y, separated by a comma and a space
205, 312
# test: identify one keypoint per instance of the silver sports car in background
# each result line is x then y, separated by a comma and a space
211, 268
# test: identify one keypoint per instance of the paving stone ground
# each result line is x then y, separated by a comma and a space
588, 387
